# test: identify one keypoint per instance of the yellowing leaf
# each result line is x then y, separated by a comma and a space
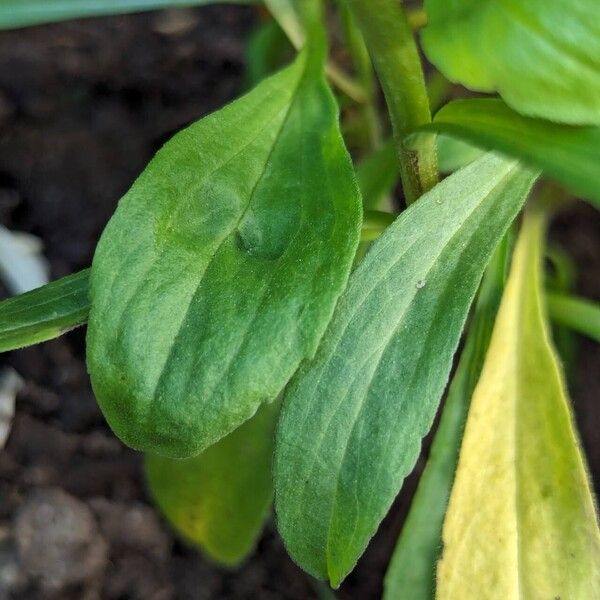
219, 500
521, 522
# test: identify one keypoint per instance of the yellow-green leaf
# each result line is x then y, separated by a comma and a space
219, 500
521, 522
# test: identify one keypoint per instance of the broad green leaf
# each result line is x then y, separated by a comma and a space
22, 13
44, 313
221, 267
411, 573
521, 522
219, 500
567, 154
354, 417
579, 314
542, 57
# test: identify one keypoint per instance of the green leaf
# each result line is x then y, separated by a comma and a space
542, 57
353, 418
44, 313
579, 314
221, 267
219, 500
568, 154
287, 15
411, 574
375, 222
377, 175
453, 154
22, 13
521, 521
267, 50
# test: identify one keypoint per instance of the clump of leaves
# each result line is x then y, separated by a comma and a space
260, 321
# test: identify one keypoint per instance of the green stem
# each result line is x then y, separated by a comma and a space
394, 53
288, 14
364, 72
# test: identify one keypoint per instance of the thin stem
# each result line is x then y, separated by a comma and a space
394, 53
345, 83
364, 71
286, 14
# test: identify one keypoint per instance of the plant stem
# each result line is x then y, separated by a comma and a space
364, 71
287, 15
394, 53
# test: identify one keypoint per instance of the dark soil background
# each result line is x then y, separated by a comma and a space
83, 107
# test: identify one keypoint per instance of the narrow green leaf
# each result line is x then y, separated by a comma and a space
375, 222
566, 153
354, 417
267, 50
44, 313
453, 154
219, 500
411, 574
521, 521
542, 57
579, 314
23, 13
377, 175
286, 13
221, 267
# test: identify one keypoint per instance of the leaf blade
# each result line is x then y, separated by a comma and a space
322, 485
24, 13
568, 154
44, 313
377, 175
521, 483
247, 223
411, 572
543, 59
219, 500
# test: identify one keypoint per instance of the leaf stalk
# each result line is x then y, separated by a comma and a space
394, 53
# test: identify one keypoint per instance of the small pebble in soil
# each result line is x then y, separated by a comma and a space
74, 552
